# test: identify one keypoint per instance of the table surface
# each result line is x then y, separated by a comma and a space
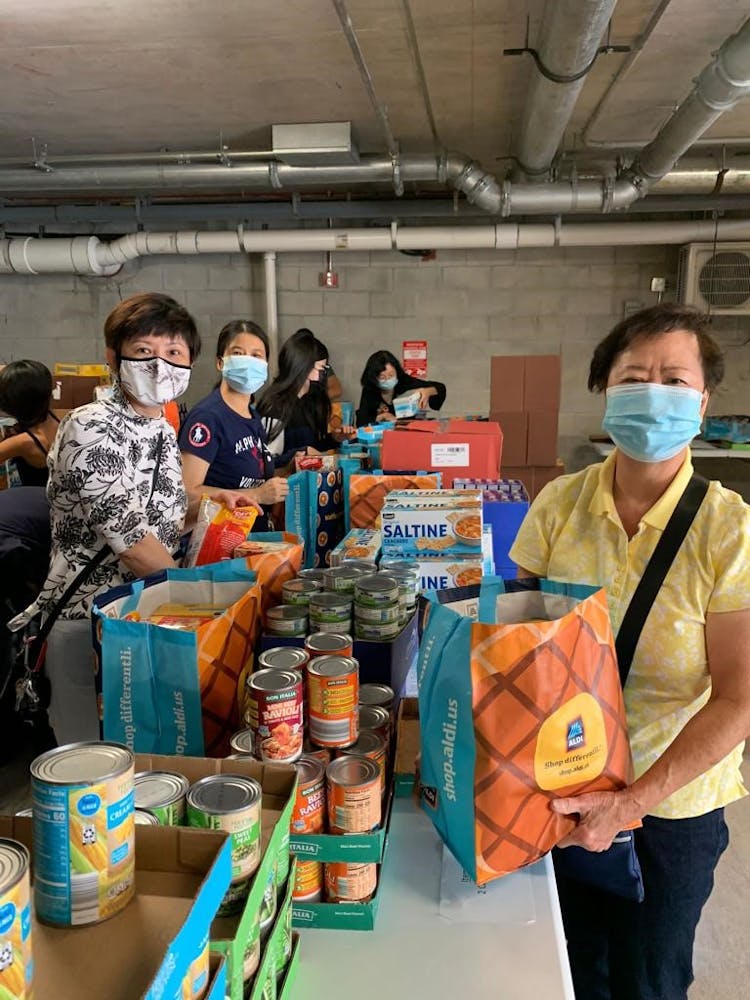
436, 936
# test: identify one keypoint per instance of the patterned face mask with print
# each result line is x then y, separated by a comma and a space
153, 381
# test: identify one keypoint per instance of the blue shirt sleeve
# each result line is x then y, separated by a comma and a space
200, 434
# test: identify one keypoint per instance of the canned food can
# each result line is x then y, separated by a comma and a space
234, 898
333, 700
386, 565
309, 811
377, 633
16, 958
409, 577
354, 799
323, 754
335, 628
314, 573
376, 616
329, 644
232, 803
376, 591
143, 817
376, 719
375, 748
286, 619
298, 591
377, 694
274, 708
195, 983
361, 564
341, 579
83, 803
350, 883
163, 794
308, 881
251, 957
328, 607
241, 742
283, 658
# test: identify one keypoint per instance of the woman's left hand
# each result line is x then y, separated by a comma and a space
601, 816
425, 395
235, 498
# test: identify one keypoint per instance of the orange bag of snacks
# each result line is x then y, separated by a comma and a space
218, 532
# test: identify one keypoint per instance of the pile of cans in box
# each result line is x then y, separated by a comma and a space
352, 598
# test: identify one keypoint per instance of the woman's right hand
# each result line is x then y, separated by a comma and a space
272, 491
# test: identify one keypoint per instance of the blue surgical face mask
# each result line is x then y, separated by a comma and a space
651, 422
387, 383
244, 373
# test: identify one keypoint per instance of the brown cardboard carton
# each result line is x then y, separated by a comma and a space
541, 440
69, 391
541, 384
506, 383
515, 427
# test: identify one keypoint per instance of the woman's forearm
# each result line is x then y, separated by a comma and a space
147, 556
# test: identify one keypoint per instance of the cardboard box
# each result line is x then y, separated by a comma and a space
217, 978
505, 505
406, 405
98, 371
273, 947
146, 949
525, 382
506, 383
338, 916
541, 441
353, 848
462, 448
359, 543
407, 747
515, 427
431, 522
229, 935
69, 391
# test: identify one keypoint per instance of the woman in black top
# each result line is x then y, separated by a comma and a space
26, 395
382, 380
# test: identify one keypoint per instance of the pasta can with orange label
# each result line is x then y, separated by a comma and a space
275, 712
374, 747
283, 658
308, 882
354, 800
333, 700
329, 644
84, 832
16, 960
309, 811
350, 883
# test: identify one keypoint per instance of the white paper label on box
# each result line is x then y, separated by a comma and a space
450, 455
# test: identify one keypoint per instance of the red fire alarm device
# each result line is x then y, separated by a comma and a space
328, 279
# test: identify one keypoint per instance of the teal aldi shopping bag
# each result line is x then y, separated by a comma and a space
171, 690
314, 510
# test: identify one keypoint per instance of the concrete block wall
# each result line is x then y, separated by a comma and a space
468, 305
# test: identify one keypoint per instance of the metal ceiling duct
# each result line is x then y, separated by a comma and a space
569, 38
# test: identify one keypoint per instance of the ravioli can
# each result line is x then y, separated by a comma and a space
375, 748
333, 700
142, 817
353, 792
16, 958
298, 591
287, 620
274, 707
329, 644
350, 883
195, 983
308, 882
309, 810
84, 833
376, 719
163, 794
232, 803
283, 658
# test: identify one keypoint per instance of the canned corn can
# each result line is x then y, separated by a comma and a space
84, 834
375, 748
232, 803
350, 883
163, 794
195, 983
329, 644
376, 591
241, 743
298, 591
142, 817
376, 719
16, 957
353, 791
309, 811
376, 616
283, 658
274, 707
332, 608
287, 620
333, 700
308, 882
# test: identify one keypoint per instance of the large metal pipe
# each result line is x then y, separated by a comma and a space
570, 34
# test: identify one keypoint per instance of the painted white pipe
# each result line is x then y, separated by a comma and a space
301, 240
272, 311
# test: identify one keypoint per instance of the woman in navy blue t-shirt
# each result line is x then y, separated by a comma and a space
222, 440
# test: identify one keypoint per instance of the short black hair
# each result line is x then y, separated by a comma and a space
26, 391
663, 318
235, 327
150, 313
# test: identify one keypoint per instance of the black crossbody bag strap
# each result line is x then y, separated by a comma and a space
80, 578
653, 576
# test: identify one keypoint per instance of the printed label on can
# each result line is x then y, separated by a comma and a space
333, 708
308, 815
277, 720
16, 960
308, 880
354, 809
376, 616
244, 829
352, 883
339, 626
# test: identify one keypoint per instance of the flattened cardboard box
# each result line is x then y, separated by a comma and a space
146, 949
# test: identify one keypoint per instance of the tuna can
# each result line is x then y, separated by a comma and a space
377, 633
251, 958
308, 882
314, 573
163, 794
360, 564
299, 591
287, 620
334, 628
376, 591
323, 754
242, 743
329, 644
84, 856
376, 719
196, 980
232, 803
283, 658
309, 811
354, 800
274, 707
375, 748
350, 883
376, 616
409, 577
399, 565
16, 959
333, 700
331, 608
341, 579
143, 817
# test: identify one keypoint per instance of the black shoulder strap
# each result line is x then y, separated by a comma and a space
653, 576
80, 578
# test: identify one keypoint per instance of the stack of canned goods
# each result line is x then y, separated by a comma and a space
341, 579
377, 613
331, 611
299, 591
288, 620
407, 574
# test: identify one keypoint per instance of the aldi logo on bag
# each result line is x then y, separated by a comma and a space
576, 735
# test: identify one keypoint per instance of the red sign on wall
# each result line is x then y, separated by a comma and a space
414, 354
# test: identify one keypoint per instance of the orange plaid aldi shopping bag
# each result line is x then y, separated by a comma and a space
517, 709
274, 557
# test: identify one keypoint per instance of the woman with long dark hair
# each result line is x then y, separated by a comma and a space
26, 395
382, 380
222, 440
